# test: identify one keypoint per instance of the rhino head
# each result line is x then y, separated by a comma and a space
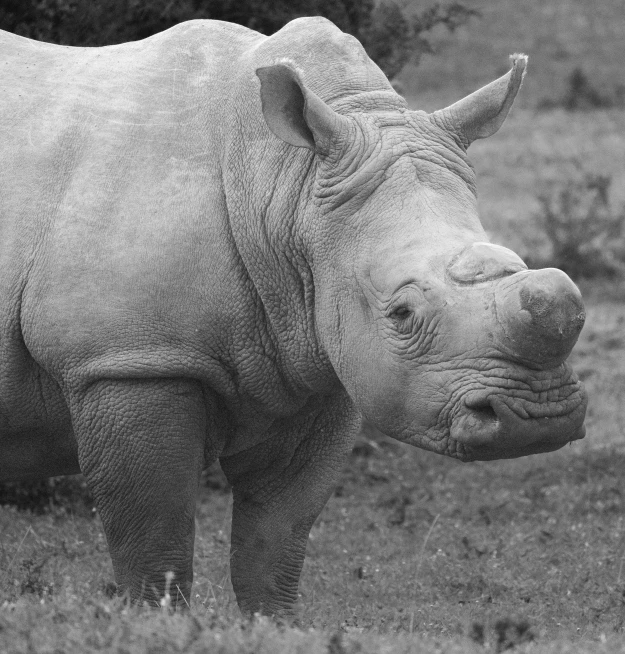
442, 339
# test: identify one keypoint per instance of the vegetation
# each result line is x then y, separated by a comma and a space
413, 551
587, 235
551, 185
395, 36
559, 36
582, 95
66, 494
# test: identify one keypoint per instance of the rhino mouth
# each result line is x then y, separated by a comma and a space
489, 425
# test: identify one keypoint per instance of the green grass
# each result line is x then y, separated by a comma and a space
413, 548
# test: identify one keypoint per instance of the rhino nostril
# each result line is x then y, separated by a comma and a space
483, 410
476, 423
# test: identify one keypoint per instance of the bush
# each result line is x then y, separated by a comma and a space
396, 36
71, 494
582, 95
391, 34
585, 233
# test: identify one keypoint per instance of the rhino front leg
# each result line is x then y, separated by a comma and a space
141, 448
279, 488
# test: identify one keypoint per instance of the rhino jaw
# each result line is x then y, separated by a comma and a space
490, 429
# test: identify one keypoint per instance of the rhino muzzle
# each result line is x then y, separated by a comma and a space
533, 319
489, 428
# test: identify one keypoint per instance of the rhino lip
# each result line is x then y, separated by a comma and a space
486, 427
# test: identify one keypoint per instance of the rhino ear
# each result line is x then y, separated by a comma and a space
482, 113
294, 113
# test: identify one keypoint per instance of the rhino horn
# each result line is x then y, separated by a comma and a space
294, 113
541, 313
482, 113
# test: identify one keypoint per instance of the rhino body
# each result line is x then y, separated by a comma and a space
216, 244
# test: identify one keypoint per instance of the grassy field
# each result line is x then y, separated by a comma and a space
415, 552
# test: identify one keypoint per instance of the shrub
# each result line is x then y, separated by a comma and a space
581, 95
585, 233
398, 35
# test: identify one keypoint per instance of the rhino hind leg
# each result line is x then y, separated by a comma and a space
279, 489
141, 448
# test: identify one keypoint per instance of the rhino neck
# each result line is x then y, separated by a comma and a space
268, 192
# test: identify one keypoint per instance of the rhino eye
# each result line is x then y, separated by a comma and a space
401, 313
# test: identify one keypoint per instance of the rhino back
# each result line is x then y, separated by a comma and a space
115, 189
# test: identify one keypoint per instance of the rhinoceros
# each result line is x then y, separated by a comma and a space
221, 245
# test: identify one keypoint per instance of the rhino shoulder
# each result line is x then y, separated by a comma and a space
207, 35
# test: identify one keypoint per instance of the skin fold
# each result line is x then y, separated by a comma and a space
216, 244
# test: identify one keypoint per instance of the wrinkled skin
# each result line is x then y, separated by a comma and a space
208, 251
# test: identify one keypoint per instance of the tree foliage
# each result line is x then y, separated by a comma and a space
391, 32
398, 33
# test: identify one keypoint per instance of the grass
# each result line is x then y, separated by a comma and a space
414, 549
